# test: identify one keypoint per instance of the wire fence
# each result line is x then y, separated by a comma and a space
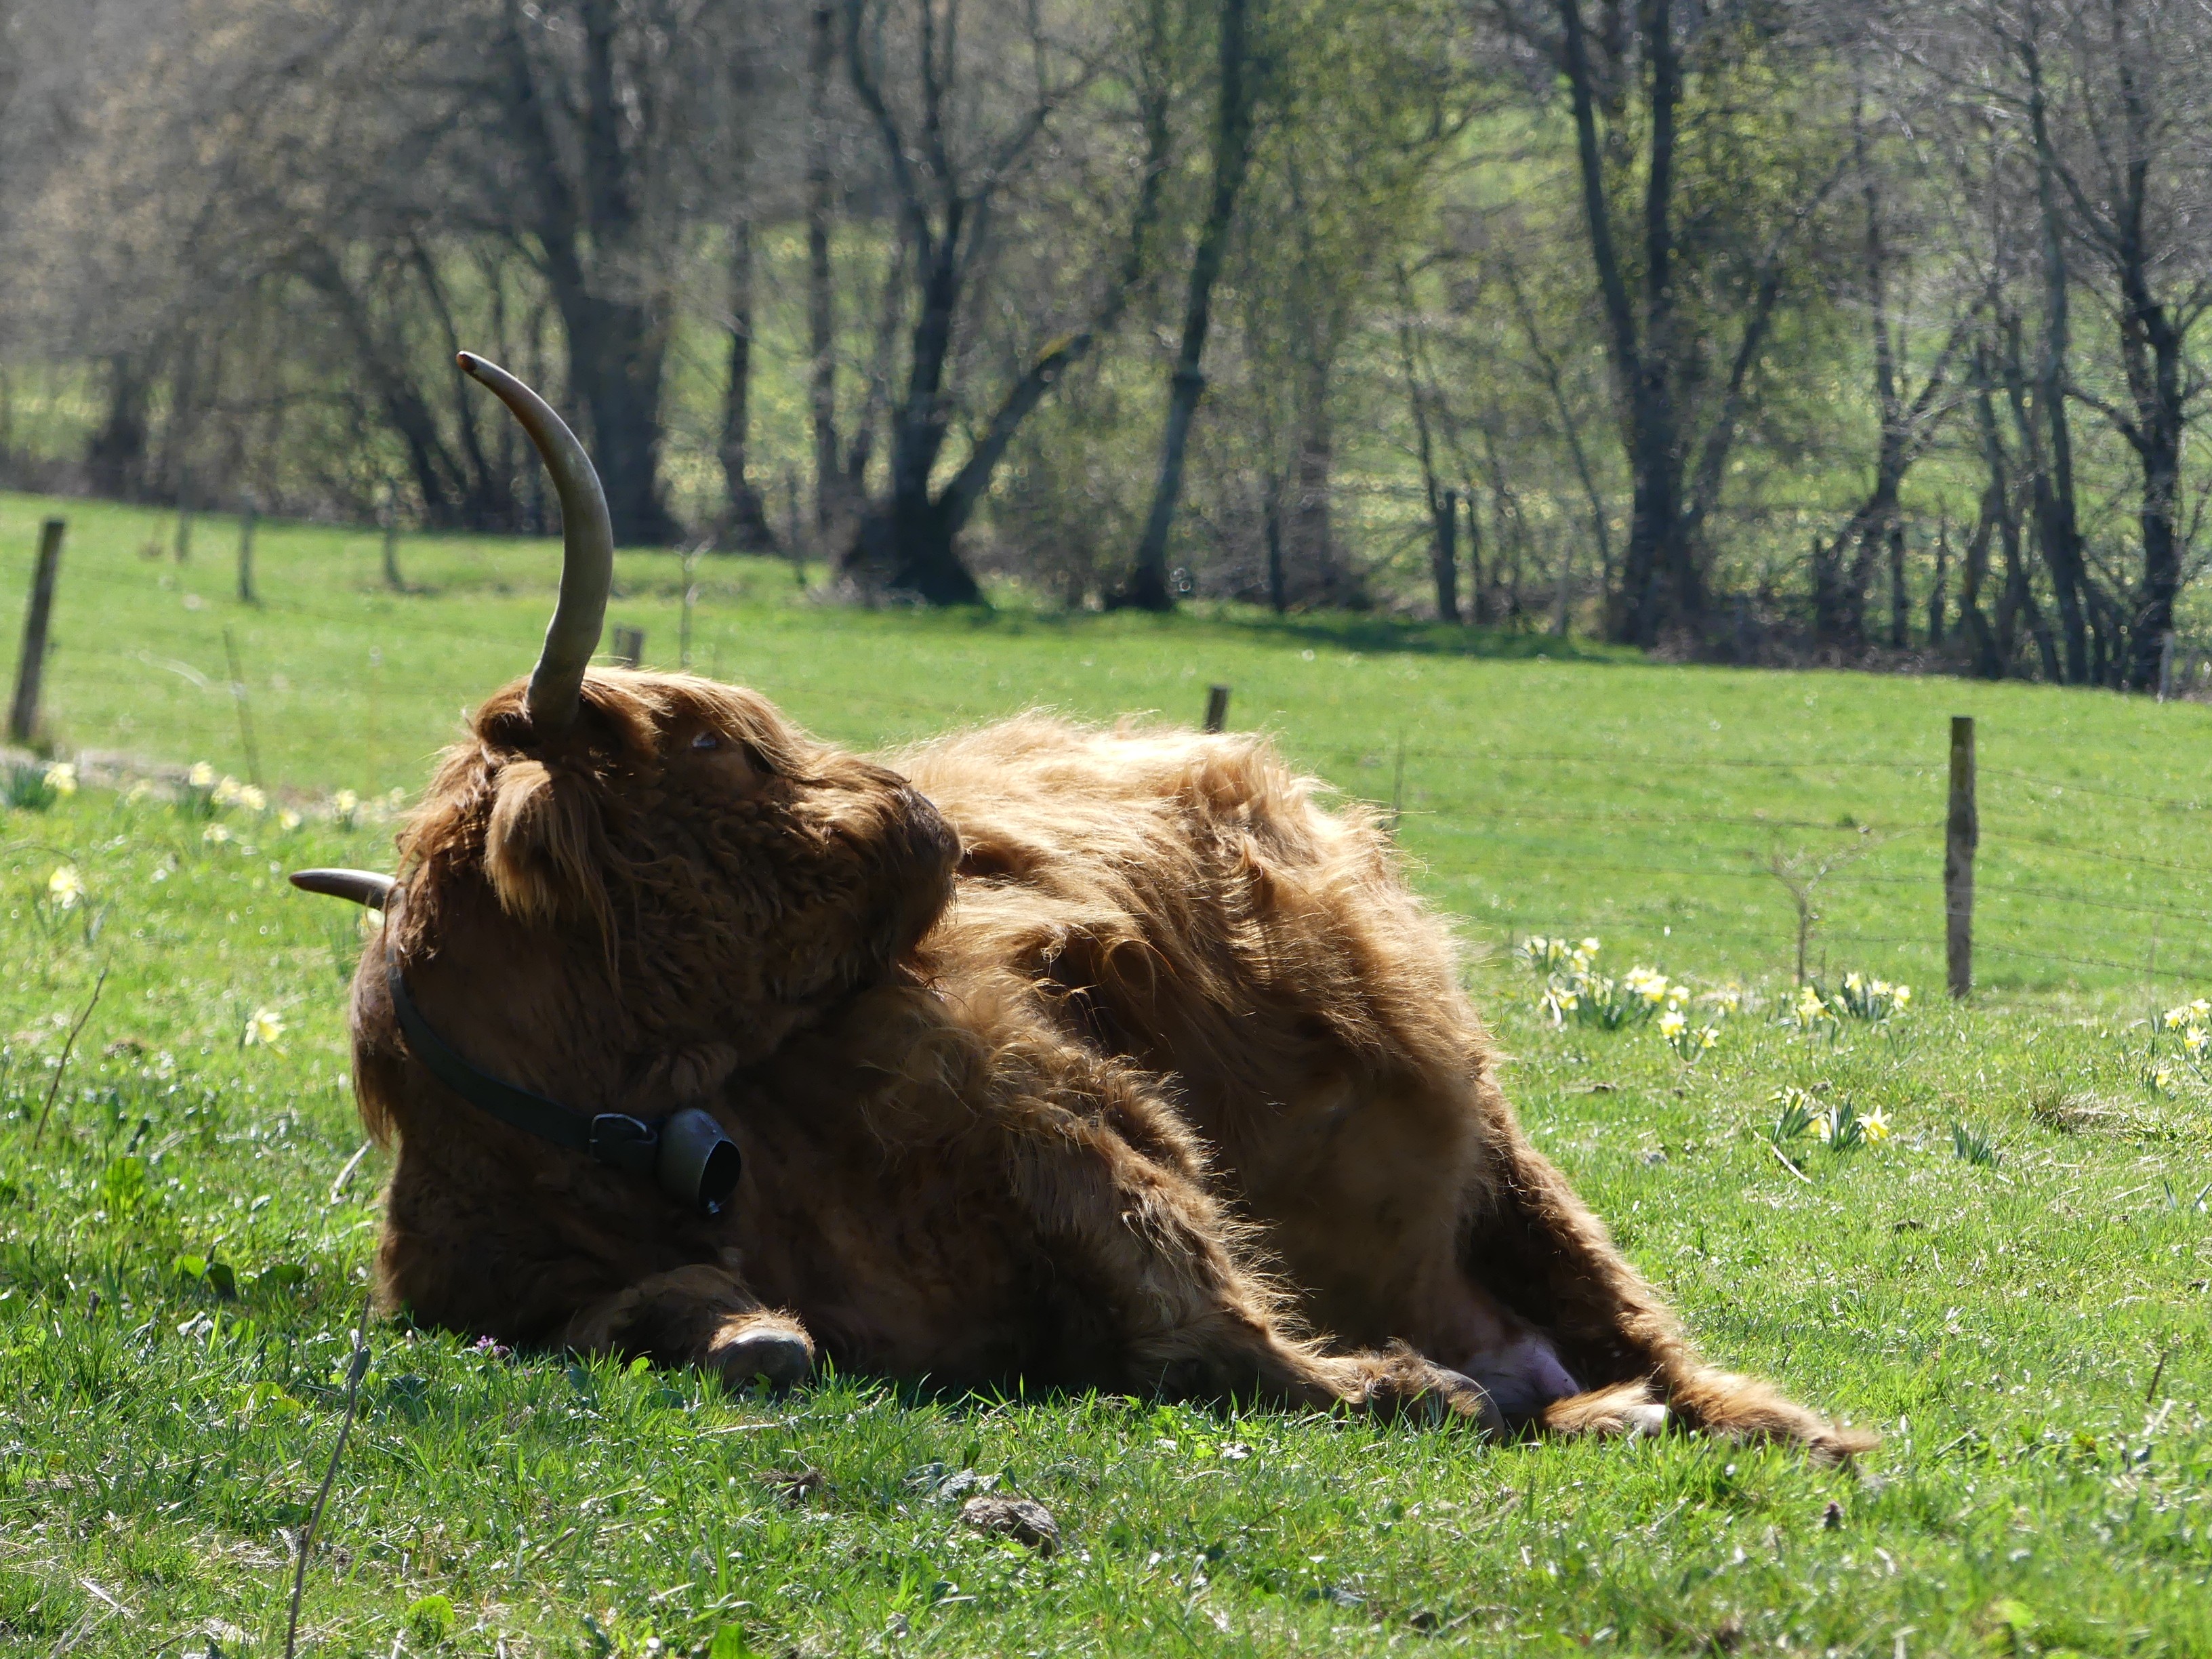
2044, 898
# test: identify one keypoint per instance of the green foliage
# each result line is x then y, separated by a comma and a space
183, 1258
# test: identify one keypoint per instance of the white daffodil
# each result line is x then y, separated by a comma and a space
65, 888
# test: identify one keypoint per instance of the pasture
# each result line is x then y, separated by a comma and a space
185, 1230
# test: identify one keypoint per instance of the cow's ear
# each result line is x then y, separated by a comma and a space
538, 848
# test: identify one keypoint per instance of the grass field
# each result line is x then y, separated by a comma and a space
182, 1246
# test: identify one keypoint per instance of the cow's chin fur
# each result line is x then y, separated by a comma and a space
1169, 1085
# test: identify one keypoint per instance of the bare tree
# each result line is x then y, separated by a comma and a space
1234, 89
956, 135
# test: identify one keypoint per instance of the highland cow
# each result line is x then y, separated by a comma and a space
1095, 1059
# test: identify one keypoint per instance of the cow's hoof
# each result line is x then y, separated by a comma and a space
775, 1355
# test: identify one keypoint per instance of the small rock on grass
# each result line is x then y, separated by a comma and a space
1022, 1519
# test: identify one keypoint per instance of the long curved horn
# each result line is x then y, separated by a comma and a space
363, 887
587, 554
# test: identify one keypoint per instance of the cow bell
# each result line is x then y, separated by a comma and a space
697, 1163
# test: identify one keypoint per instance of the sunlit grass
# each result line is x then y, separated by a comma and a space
182, 1250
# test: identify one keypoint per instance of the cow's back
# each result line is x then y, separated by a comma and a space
1184, 902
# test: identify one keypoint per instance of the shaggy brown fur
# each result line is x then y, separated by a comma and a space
1098, 1059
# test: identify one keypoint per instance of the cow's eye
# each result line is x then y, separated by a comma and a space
707, 740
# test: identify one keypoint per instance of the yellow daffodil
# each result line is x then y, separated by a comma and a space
216, 835
1900, 996
1875, 1124
1707, 1035
226, 792
1809, 1007
65, 888
251, 798
345, 806
61, 778
287, 820
1673, 1023
263, 1028
1854, 982
201, 776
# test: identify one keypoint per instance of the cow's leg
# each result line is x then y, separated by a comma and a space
697, 1315
1533, 1247
1122, 1201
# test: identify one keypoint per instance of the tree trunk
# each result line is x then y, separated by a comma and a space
1659, 583
1148, 587
1989, 662
1279, 596
1312, 544
2151, 350
115, 459
2057, 527
1937, 595
588, 237
745, 515
1901, 602
1443, 504
616, 352
821, 295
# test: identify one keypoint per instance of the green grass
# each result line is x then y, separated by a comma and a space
2032, 1337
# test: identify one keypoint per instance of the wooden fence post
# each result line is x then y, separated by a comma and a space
392, 579
247, 521
630, 647
1217, 707
31, 668
1961, 834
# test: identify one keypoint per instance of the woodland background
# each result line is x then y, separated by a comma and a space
1768, 331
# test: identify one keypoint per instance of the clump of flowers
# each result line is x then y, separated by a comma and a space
229, 792
61, 778
1688, 1042
1873, 1001
345, 807
1840, 1126
1575, 990
2192, 1022
2190, 1025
